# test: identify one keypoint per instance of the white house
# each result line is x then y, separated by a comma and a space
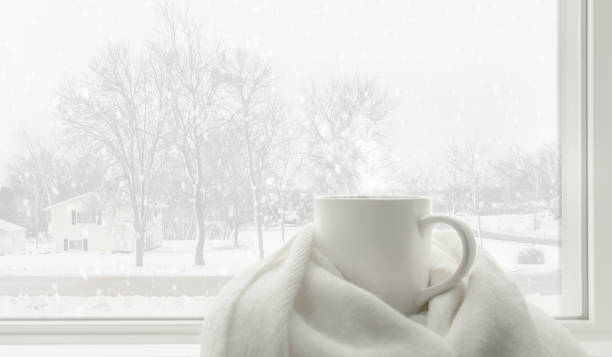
85, 223
12, 238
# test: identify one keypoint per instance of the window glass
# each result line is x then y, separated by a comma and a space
75, 244
86, 217
200, 130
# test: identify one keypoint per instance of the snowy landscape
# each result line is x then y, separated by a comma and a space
175, 257
78, 284
150, 151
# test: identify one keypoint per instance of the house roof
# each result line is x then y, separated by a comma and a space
72, 199
6, 226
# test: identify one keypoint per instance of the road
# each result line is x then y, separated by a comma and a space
544, 283
112, 285
506, 237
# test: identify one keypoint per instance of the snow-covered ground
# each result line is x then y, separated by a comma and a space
172, 258
545, 225
54, 306
49, 306
175, 259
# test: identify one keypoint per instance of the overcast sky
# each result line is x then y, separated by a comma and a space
456, 69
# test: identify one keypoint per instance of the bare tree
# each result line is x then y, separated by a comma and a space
9, 205
196, 105
452, 192
549, 172
534, 176
255, 113
234, 190
121, 105
285, 166
34, 178
467, 162
345, 128
175, 192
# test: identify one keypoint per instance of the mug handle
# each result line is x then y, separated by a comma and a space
467, 260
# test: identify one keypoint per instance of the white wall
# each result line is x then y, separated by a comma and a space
99, 237
12, 242
103, 238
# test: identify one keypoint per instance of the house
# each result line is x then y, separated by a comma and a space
87, 223
12, 238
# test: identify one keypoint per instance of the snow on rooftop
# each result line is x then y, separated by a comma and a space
72, 199
6, 226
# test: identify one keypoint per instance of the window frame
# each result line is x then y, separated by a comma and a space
582, 109
572, 119
595, 64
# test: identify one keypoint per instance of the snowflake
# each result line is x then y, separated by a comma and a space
337, 169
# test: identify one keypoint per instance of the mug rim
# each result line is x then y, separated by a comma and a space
370, 198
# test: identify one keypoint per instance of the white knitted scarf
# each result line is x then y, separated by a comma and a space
295, 303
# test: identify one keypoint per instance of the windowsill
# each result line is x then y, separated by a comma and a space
169, 350
596, 345
156, 339
599, 347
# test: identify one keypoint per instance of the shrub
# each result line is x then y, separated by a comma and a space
531, 255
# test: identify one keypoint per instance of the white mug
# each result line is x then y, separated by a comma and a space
382, 244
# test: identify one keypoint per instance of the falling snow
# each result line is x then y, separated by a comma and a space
362, 106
